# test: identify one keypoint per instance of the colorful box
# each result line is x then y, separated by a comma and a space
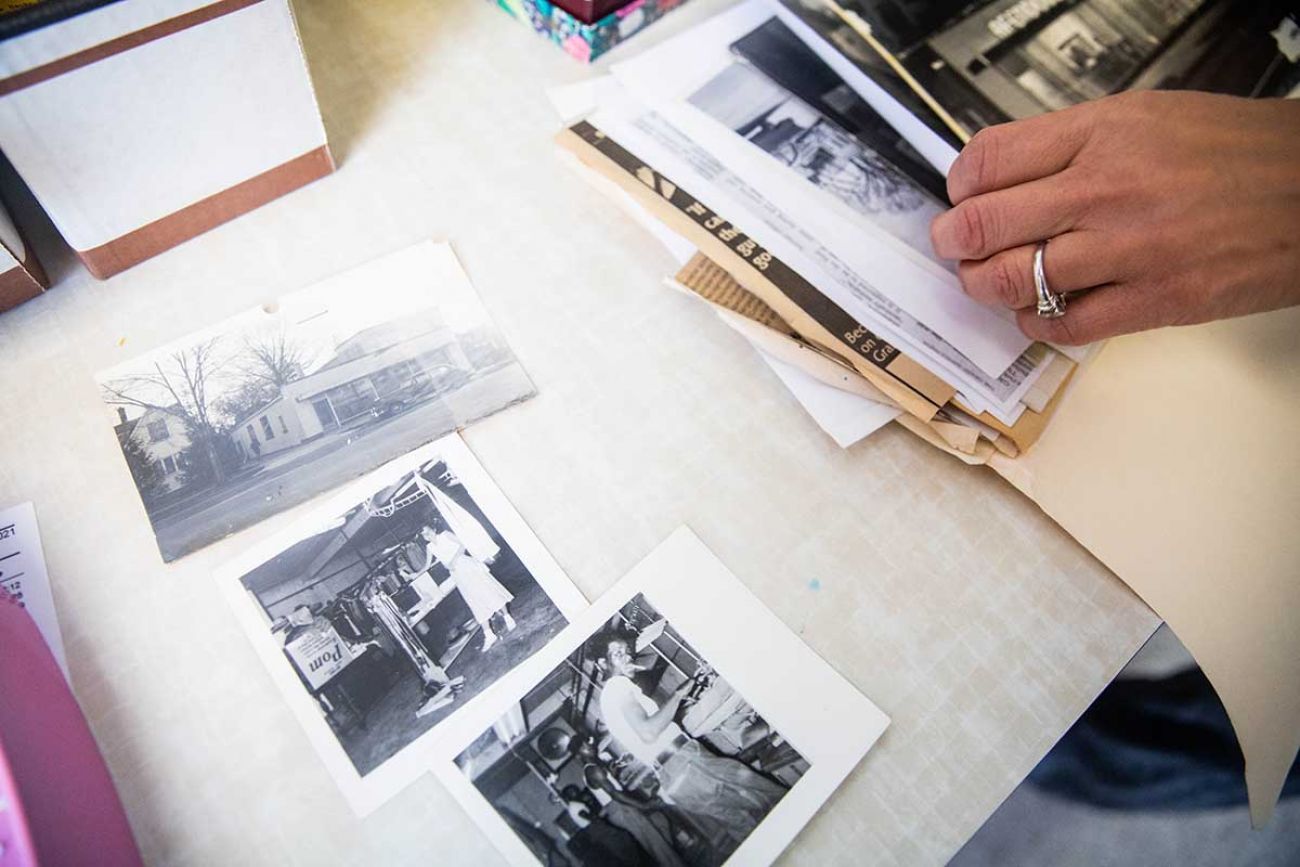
586, 42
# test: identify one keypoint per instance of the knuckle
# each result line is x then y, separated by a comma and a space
1131, 104
973, 229
1005, 282
1081, 180
968, 276
1073, 329
1084, 200
1068, 331
1173, 302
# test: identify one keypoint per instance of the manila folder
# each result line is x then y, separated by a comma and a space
1175, 459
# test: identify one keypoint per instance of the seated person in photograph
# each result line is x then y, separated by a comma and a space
728, 792
631, 815
484, 594
597, 842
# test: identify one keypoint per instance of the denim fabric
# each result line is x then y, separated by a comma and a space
1152, 745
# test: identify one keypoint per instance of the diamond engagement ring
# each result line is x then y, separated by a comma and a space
1050, 304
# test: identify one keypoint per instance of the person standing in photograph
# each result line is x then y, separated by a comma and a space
484, 594
724, 790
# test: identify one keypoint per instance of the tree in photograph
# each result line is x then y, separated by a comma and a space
196, 463
275, 360
144, 469
263, 365
245, 399
177, 385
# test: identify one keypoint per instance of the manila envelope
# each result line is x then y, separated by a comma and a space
1174, 457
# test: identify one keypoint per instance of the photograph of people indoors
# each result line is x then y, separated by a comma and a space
633, 751
408, 605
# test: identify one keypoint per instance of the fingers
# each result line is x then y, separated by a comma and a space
1013, 153
1026, 213
1104, 312
1073, 261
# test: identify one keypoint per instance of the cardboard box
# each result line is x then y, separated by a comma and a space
21, 275
586, 41
142, 123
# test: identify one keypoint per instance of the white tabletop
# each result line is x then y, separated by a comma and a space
979, 626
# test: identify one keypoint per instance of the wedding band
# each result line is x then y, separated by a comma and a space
1050, 304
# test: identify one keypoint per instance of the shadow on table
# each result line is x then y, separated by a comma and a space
353, 77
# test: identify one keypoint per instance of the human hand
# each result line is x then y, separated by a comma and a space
1167, 208
683, 691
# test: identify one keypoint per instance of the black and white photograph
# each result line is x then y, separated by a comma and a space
778, 53
997, 60
633, 751
751, 104
398, 603
224, 428
666, 728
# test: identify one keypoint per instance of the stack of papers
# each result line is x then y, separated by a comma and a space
742, 143
792, 154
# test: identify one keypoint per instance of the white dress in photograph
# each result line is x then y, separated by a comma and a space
482, 593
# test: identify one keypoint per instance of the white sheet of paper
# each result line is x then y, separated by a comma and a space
846, 417
574, 101
651, 138
23, 574
929, 144
666, 77
713, 619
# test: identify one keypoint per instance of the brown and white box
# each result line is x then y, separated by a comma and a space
21, 275
142, 123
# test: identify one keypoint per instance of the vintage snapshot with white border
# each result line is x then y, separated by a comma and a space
228, 426
676, 722
389, 607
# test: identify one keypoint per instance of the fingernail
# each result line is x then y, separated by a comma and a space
940, 237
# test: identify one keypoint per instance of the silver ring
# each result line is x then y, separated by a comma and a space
1050, 304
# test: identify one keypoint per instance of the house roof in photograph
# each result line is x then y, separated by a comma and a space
259, 411
368, 350
126, 428
377, 338
321, 554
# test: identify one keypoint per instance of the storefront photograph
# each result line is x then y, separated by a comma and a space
405, 607
633, 751
228, 426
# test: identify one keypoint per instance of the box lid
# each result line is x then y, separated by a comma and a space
23, 16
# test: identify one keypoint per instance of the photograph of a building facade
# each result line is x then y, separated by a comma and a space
224, 429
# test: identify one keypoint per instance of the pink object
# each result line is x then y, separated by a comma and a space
57, 802
577, 48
